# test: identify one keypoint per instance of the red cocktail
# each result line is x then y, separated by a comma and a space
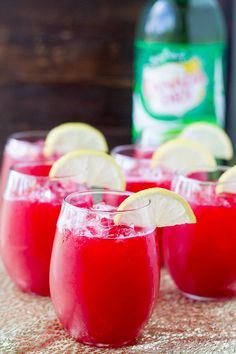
136, 164
201, 257
31, 206
104, 278
22, 147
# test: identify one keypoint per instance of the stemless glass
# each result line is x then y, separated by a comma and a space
136, 161
201, 257
104, 278
30, 209
22, 147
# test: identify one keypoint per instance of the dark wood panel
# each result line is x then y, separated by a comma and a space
69, 41
27, 106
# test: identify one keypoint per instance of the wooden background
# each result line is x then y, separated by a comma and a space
68, 60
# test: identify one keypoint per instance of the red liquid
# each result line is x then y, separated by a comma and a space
27, 232
139, 185
143, 153
201, 258
136, 162
104, 288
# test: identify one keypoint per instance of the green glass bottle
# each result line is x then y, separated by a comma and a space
179, 68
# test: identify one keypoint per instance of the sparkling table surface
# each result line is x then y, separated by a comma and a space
28, 325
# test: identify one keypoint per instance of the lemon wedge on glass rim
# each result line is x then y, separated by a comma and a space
73, 136
181, 155
163, 208
227, 181
212, 137
94, 168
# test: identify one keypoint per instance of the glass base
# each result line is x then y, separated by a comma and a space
29, 291
106, 345
204, 298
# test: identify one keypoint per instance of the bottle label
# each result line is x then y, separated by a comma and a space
176, 84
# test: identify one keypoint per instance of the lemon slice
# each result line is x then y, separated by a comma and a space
73, 136
212, 137
95, 168
227, 181
180, 155
165, 209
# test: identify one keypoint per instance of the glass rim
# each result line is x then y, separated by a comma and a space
100, 191
13, 170
118, 151
28, 134
220, 168
147, 161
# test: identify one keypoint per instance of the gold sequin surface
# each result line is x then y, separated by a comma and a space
28, 325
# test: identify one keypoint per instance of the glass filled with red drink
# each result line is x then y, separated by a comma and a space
104, 276
136, 162
201, 257
30, 209
25, 146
